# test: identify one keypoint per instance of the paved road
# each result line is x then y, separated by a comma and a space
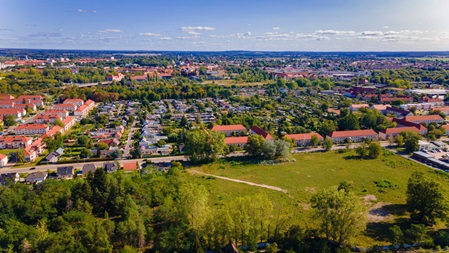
80, 165
84, 84
129, 141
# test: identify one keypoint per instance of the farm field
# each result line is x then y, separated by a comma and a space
382, 183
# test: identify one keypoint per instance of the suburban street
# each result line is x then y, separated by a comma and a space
80, 165
129, 140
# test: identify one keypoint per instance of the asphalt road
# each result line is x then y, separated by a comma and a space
80, 165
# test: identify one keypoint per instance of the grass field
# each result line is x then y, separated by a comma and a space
314, 171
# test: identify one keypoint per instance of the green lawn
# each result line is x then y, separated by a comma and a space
314, 171
8, 151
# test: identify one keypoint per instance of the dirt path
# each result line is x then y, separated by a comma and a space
274, 188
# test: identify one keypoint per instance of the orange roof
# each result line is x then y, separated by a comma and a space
16, 138
88, 102
398, 130
82, 108
31, 126
130, 166
236, 140
7, 111
442, 109
67, 120
73, 100
424, 118
229, 128
446, 127
52, 131
352, 133
262, 132
306, 136
2, 156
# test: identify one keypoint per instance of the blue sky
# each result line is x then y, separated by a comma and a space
276, 25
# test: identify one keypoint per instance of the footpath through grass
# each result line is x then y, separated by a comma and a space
382, 181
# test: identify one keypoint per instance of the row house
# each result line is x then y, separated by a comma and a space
14, 142
353, 135
53, 131
3, 160
6, 104
357, 107
425, 119
259, 131
17, 113
443, 109
65, 107
30, 97
68, 123
403, 123
421, 106
399, 112
230, 129
302, 140
27, 129
25, 106
60, 113
391, 133
74, 101
46, 119
237, 141
84, 109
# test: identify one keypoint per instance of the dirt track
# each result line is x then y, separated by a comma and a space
274, 188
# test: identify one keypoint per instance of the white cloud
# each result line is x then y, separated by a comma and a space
385, 27
110, 31
193, 33
166, 38
189, 29
150, 34
334, 32
232, 36
81, 11
276, 28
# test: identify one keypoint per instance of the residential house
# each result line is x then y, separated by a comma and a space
68, 123
259, 131
61, 113
229, 130
65, 172
8, 178
36, 177
302, 140
353, 135
357, 107
14, 142
237, 141
65, 107
90, 167
400, 113
75, 101
130, 166
46, 119
3, 160
403, 123
17, 113
52, 158
446, 127
111, 142
425, 119
30, 129
391, 133
110, 166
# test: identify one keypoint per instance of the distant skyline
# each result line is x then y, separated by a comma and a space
281, 25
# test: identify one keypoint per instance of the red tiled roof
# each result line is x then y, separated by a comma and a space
398, 130
423, 118
67, 120
16, 138
7, 111
352, 133
306, 136
31, 126
2, 156
236, 140
262, 132
229, 128
82, 108
130, 166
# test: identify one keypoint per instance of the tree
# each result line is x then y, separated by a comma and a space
342, 214
85, 153
411, 140
397, 236
9, 120
314, 141
374, 150
102, 146
255, 145
328, 143
203, 145
83, 140
362, 150
184, 121
399, 140
21, 155
425, 199
58, 122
